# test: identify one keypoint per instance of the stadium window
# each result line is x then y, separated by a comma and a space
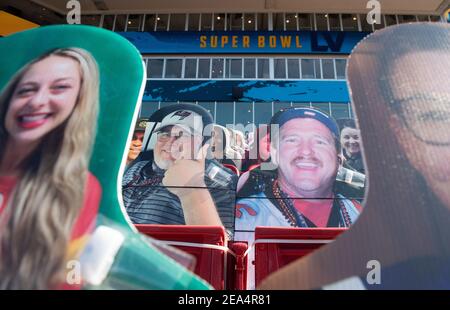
263, 112
233, 68
148, 108
217, 68
293, 69
219, 22
305, 22
390, 20
235, 22
308, 69
328, 68
119, 24
339, 110
108, 22
244, 113
291, 21
224, 113
279, 68
249, 22
155, 68
335, 22
322, 22
194, 21
149, 24
206, 22
161, 22
190, 68
134, 22
173, 68
317, 69
203, 68
278, 21
262, 21
423, 18
350, 22
340, 68
435, 18
177, 22
209, 106
402, 19
381, 25
249, 68
365, 26
263, 68
92, 20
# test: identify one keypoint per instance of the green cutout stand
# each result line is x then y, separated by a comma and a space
122, 79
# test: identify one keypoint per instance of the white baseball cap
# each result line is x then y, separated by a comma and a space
186, 119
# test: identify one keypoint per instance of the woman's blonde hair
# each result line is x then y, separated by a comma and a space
36, 225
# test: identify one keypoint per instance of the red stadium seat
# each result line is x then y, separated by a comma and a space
211, 263
237, 266
276, 247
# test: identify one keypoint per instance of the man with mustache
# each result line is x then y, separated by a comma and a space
302, 191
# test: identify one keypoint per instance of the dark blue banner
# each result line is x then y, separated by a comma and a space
219, 90
243, 42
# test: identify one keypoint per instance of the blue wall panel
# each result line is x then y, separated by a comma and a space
226, 90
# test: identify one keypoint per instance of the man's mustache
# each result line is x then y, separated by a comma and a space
306, 159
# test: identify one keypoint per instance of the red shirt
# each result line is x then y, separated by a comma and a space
6, 187
317, 211
83, 225
86, 219
85, 222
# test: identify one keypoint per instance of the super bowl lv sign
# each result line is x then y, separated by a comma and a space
331, 43
245, 42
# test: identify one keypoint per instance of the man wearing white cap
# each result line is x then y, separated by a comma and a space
175, 185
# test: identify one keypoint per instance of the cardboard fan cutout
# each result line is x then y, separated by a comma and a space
166, 183
69, 96
398, 79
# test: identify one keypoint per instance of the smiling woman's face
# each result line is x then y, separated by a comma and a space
351, 141
423, 125
43, 99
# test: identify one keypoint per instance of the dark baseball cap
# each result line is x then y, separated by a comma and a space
141, 124
285, 115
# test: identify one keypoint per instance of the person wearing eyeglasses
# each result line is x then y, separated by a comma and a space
178, 185
399, 82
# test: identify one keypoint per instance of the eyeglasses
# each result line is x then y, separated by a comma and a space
427, 117
166, 135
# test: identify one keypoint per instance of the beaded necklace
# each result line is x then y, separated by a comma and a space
142, 179
152, 181
296, 219
284, 204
